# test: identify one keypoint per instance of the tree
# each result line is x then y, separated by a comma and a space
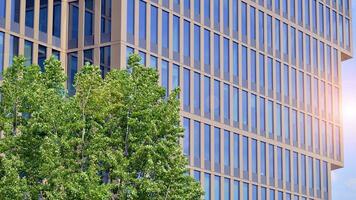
116, 138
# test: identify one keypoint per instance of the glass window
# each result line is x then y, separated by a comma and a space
72, 70
270, 118
270, 74
186, 139
285, 40
197, 143
294, 127
131, 18
216, 12
293, 45
314, 19
254, 156
2, 8
154, 62
286, 81
271, 161
29, 12
244, 109
236, 151
246, 191
27, 53
262, 71
15, 11
186, 89
261, 28
245, 153
327, 23
154, 25
347, 33
287, 166
175, 76
278, 78
217, 187
217, 100
236, 188
280, 195
263, 193
300, 49
226, 188
197, 8
254, 192
277, 38
285, 8
197, 44
196, 93
271, 194
253, 67
292, 9
226, 148
235, 108
263, 158
303, 172
186, 39
253, 113
306, 13
89, 22
226, 59
316, 134
286, 127
207, 186
235, 49
105, 20
301, 129
165, 75
300, 11
73, 26
279, 163
217, 54
325, 176
269, 33
14, 48
253, 25
207, 47
226, 103
262, 120
244, 21
317, 175
295, 168
310, 172
42, 53
196, 175
321, 19
207, 9
207, 143
217, 147
57, 13
176, 32
226, 7
244, 64
165, 29
235, 18
341, 31
207, 96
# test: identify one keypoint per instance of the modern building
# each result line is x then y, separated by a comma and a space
260, 79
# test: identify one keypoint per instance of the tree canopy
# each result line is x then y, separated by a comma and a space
116, 138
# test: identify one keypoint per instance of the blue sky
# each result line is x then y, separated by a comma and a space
344, 180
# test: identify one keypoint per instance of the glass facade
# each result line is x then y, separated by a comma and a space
260, 81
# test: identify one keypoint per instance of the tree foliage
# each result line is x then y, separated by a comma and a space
116, 138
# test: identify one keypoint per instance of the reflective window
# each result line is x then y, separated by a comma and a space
186, 39
207, 186
27, 53
14, 48
207, 143
207, 47
42, 53
245, 191
226, 148
236, 190
244, 20
278, 78
293, 44
207, 96
277, 36
2, 8
154, 25
235, 60
197, 44
271, 161
321, 19
317, 175
236, 151
43, 15
235, 18
261, 28
263, 158
216, 12
196, 93
131, 17
165, 75
216, 54
300, 11
175, 76
253, 113
105, 24
253, 67
57, 15
226, 58
263, 193
217, 147
314, 19
186, 139
279, 163
285, 39
294, 127
154, 62
300, 49
327, 23
271, 194
311, 172
176, 33
2, 51
270, 74
226, 103
334, 24
286, 81
186, 89
15, 11
287, 166
217, 100
245, 155
306, 13
73, 26
235, 109
165, 29
207, 9
269, 33
89, 21
244, 64
226, 7
262, 114
226, 188
72, 71
295, 168
262, 71
253, 25
341, 31
292, 9
303, 171
217, 187
254, 156
270, 112
286, 128
316, 134
197, 8
29, 12
254, 192
196, 143
245, 109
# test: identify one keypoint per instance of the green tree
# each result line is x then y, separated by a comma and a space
116, 138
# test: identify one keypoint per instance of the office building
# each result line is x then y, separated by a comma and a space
260, 79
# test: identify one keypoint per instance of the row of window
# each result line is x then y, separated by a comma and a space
28, 51
217, 187
105, 22
310, 53
256, 113
252, 21
30, 11
234, 152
